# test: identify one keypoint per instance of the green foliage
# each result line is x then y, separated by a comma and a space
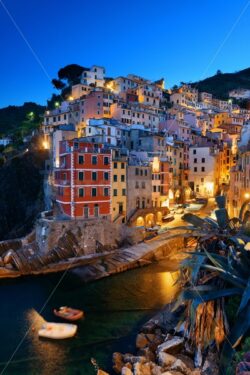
12, 118
21, 191
221, 83
218, 285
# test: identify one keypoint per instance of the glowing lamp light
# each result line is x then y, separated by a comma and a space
57, 104
70, 98
247, 195
46, 145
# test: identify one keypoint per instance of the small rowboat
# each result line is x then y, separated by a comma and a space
57, 331
68, 313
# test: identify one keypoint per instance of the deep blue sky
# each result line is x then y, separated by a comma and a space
174, 39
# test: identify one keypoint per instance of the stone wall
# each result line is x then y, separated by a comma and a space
92, 235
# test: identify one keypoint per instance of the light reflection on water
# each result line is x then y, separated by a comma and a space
115, 308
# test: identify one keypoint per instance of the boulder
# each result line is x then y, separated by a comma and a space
142, 369
171, 346
100, 372
147, 353
211, 364
180, 366
117, 362
126, 371
141, 341
166, 359
133, 359
187, 360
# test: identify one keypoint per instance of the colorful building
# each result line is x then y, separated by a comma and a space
83, 179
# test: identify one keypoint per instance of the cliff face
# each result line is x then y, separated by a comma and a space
21, 193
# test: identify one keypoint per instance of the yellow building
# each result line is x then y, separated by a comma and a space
225, 161
118, 186
220, 119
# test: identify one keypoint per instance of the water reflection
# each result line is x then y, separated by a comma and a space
115, 309
50, 355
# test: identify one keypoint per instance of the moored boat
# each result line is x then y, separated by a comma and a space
57, 331
68, 313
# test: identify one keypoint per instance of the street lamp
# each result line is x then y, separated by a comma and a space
57, 104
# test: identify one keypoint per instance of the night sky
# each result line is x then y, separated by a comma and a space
179, 40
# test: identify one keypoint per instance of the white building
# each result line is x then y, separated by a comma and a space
94, 75
107, 131
57, 137
202, 173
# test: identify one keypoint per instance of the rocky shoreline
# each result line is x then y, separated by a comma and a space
163, 349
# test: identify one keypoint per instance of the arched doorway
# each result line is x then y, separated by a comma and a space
140, 221
150, 220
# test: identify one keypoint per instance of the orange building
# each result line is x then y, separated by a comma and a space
83, 179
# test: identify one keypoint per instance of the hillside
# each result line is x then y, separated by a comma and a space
20, 118
221, 83
21, 191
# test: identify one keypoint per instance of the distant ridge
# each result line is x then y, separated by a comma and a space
221, 83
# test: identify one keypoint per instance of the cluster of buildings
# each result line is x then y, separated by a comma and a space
125, 148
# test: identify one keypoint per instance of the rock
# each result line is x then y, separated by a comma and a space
247, 357
156, 370
171, 346
242, 367
141, 341
172, 373
142, 369
166, 359
211, 364
187, 360
147, 353
133, 359
100, 372
180, 366
126, 371
196, 372
118, 362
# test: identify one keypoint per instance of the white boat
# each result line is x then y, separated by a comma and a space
57, 331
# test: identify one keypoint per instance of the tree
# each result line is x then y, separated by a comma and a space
71, 73
218, 72
58, 84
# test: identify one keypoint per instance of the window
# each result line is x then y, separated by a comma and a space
115, 192
145, 172
106, 176
106, 160
137, 185
203, 169
194, 152
115, 177
94, 160
203, 160
122, 165
106, 192
86, 212
94, 176
195, 169
122, 178
143, 185
93, 193
81, 192
76, 145
123, 192
115, 165
80, 159
136, 171
202, 179
195, 160
80, 176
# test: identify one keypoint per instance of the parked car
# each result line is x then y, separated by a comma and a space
168, 217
